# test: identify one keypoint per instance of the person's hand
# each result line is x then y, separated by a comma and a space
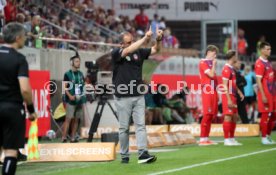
214, 62
159, 34
33, 117
264, 99
149, 33
230, 104
241, 96
72, 98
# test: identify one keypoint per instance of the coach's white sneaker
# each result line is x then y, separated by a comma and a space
265, 141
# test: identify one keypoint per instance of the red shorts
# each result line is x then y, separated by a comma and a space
268, 107
210, 103
226, 110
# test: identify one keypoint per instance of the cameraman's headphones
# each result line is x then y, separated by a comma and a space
74, 57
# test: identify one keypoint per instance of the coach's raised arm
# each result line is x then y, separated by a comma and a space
128, 46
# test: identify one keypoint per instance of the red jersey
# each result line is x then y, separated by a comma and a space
209, 94
263, 69
228, 73
206, 65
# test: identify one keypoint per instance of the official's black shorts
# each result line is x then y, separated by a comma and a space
12, 125
250, 100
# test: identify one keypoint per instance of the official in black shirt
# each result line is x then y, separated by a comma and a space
127, 64
241, 82
14, 89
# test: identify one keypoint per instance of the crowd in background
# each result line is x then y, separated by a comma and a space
82, 19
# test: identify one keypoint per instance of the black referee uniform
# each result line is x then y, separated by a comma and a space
12, 112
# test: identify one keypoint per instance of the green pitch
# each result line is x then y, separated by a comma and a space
191, 160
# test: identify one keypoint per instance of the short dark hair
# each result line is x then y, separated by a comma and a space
211, 48
263, 44
74, 57
230, 54
11, 31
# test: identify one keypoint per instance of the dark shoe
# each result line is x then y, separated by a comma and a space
125, 160
145, 157
64, 141
21, 157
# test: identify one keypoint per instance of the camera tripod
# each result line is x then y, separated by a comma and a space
98, 114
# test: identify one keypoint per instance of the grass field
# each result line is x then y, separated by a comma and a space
190, 160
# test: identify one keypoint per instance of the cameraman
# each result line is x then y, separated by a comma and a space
74, 98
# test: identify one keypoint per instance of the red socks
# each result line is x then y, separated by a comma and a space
232, 129
264, 124
227, 129
205, 125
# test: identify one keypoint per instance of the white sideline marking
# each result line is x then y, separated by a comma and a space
212, 162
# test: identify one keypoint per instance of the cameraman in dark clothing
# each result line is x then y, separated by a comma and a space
241, 82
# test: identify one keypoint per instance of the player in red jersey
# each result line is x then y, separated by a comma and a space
229, 99
208, 81
272, 119
265, 77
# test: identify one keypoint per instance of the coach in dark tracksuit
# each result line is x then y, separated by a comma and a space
14, 89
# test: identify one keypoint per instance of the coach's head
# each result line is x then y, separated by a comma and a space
14, 34
126, 39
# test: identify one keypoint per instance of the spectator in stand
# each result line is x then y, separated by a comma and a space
10, 11
20, 18
154, 24
227, 44
33, 31
242, 43
162, 23
170, 41
141, 20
